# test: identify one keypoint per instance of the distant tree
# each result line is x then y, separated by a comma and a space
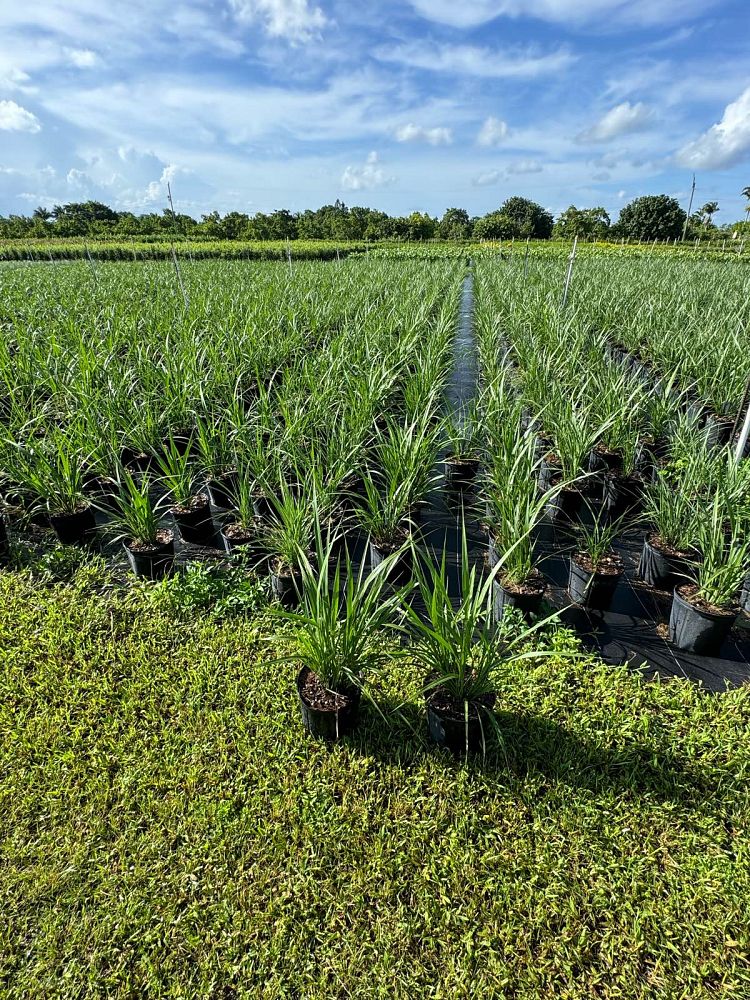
210, 226
709, 210
43, 214
585, 223
420, 226
652, 217
528, 218
746, 194
455, 225
234, 226
494, 226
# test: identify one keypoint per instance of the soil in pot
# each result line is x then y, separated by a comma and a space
77, 528
603, 460
136, 461
242, 537
526, 596
593, 586
326, 714
449, 726
286, 584
663, 567
194, 521
150, 561
459, 472
697, 627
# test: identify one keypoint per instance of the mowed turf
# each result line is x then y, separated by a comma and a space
168, 830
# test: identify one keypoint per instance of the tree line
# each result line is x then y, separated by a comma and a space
653, 217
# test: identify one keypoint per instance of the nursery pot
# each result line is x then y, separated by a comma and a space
549, 471
222, 489
565, 506
194, 522
745, 598
103, 493
697, 628
403, 567
718, 430
326, 714
623, 495
663, 568
649, 455
527, 597
449, 726
263, 507
151, 562
286, 586
601, 460
239, 537
74, 529
136, 461
459, 472
594, 587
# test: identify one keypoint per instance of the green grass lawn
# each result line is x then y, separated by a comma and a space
169, 831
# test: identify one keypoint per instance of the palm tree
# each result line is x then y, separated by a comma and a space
746, 194
709, 210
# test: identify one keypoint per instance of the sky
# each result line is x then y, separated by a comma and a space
420, 105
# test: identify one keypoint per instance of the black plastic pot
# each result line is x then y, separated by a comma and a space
403, 567
136, 461
527, 603
549, 473
195, 524
451, 729
459, 472
246, 542
649, 455
221, 491
623, 496
591, 589
718, 430
74, 529
328, 724
263, 507
103, 493
745, 597
697, 631
661, 570
604, 461
152, 563
565, 506
286, 587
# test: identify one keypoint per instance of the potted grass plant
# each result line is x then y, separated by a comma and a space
53, 474
148, 545
215, 450
385, 517
705, 610
575, 436
623, 489
340, 635
669, 555
287, 539
243, 528
460, 652
462, 434
595, 567
190, 506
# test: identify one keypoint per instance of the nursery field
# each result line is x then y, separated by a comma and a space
305, 568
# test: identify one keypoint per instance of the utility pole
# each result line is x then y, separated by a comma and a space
690, 209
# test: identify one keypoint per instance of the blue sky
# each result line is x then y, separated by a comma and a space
262, 104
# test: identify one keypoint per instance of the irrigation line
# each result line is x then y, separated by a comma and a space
569, 276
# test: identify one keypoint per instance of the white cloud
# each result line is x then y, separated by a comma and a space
371, 175
81, 58
525, 167
492, 132
620, 120
485, 180
294, 20
725, 143
471, 60
471, 13
14, 118
417, 133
